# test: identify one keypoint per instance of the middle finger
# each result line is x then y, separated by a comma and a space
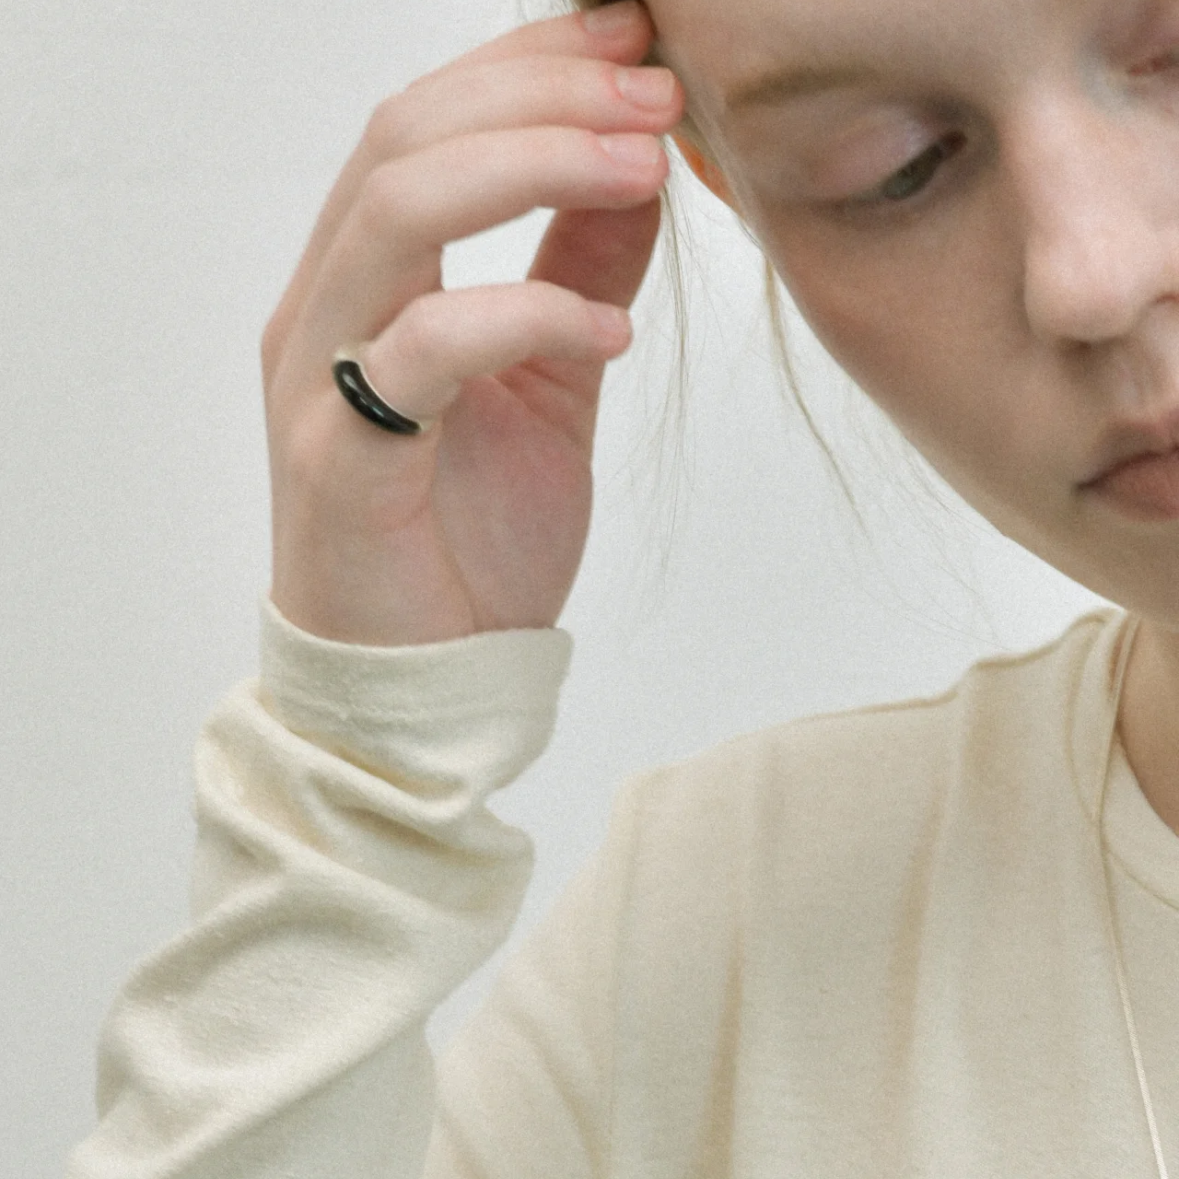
388, 251
623, 41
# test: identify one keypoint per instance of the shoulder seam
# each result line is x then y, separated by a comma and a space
991, 663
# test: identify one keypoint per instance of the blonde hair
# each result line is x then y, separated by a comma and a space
775, 306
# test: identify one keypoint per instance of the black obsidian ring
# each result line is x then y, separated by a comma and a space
353, 382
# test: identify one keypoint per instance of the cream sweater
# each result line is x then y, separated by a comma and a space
866, 944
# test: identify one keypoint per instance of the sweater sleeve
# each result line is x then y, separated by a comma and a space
348, 876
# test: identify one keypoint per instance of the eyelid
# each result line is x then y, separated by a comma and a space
867, 158
947, 148
874, 211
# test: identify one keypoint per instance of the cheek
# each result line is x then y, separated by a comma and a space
932, 341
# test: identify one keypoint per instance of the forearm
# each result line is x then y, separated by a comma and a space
348, 877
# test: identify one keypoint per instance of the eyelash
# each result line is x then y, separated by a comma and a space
907, 184
921, 172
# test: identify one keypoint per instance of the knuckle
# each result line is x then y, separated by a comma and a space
389, 131
563, 153
589, 142
418, 337
607, 79
383, 197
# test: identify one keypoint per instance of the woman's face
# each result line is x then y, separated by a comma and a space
975, 203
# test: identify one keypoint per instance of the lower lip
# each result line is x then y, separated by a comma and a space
1144, 489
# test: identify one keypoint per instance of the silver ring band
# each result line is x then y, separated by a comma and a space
358, 391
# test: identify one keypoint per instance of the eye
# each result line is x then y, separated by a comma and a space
918, 173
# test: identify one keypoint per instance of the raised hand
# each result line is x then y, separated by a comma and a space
480, 522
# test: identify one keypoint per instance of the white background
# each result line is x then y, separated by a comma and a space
160, 166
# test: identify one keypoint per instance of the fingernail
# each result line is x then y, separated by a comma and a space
610, 19
651, 88
635, 151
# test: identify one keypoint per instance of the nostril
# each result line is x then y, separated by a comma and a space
1163, 64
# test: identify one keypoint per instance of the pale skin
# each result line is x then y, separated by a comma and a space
976, 207
480, 523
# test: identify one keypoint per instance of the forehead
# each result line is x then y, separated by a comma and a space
719, 46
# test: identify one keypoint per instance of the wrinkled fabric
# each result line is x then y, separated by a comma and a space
870, 943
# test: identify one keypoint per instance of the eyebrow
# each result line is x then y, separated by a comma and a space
782, 85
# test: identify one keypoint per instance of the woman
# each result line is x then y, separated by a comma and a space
932, 939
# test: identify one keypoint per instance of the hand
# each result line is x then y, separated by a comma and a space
480, 523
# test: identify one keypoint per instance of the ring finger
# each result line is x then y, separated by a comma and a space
443, 339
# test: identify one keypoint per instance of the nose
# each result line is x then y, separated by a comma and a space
1101, 218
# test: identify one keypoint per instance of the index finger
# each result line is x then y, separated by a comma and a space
620, 33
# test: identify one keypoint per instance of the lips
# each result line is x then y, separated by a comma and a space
1145, 488
1139, 473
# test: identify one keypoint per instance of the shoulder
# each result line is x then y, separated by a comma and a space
885, 765
790, 861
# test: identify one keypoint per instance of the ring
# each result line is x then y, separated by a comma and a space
353, 382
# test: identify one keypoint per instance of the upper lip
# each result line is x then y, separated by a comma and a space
1128, 441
